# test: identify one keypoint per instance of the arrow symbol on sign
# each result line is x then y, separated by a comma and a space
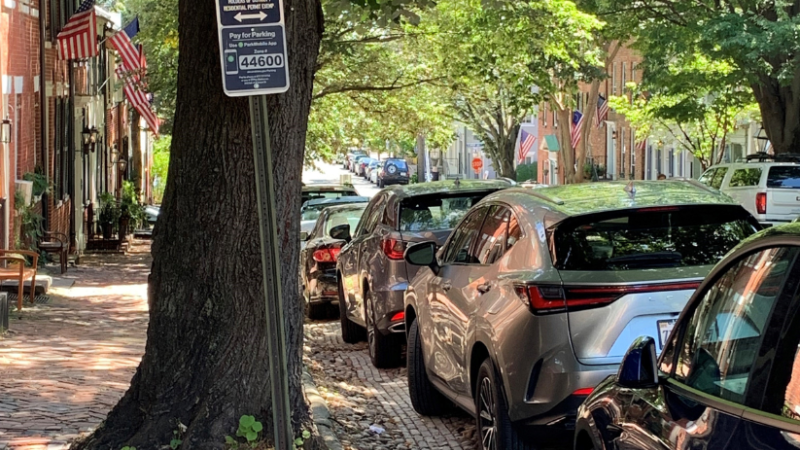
260, 16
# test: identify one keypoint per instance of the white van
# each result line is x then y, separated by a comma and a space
769, 190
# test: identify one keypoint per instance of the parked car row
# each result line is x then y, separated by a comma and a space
592, 313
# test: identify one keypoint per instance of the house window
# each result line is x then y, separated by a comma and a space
623, 153
633, 156
633, 72
624, 70
61, 146
544, 114
614, 79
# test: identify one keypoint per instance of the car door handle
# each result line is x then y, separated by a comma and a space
484, 288
446, 285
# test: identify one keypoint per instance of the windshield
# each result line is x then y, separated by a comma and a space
785, 177
654, 238
311, 212
326, 194
436, 212
350, 216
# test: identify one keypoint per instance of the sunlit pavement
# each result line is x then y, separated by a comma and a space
66, 363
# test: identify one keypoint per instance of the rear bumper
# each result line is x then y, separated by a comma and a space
323, 287
388, 303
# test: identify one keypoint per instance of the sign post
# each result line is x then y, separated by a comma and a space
252, 39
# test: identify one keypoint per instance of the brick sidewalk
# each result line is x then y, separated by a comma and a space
65, 364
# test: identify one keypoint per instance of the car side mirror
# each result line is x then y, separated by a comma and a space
423, 254
638, 368
304, 235
341, 232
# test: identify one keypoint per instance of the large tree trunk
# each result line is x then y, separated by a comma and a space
205, 363
503, 153
564, 117
780, 112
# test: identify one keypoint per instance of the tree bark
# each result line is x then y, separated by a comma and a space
502, 152
205, 362
780, 112
564, 116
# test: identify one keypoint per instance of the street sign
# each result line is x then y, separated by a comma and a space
252, 40
477, 164
233, 13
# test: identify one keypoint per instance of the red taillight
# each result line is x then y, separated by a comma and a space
548, 299
399, 316
326, 254
761, 203
393, 248
584, 391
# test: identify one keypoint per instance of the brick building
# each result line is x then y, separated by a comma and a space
84, 148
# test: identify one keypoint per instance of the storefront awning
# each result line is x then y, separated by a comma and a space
552, 142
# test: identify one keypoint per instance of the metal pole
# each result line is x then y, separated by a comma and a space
276, 336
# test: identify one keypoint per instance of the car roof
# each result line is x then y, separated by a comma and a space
586, 198
345, 207
446, 187
328, 188
333, 201
743, 165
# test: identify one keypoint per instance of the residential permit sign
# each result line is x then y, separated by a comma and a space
252, 39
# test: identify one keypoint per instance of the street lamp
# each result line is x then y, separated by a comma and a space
5, 131
89, 136
763, 141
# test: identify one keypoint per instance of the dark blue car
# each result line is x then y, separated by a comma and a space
729, 374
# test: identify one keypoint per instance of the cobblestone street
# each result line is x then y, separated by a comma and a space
64, 364
359, 396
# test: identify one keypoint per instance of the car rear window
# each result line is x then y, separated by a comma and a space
745, 177
436, 212
399, 163
784, 177
350, 217
651, 238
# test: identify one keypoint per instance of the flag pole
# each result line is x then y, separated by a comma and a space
122, 28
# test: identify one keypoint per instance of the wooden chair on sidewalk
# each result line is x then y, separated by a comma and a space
53, 242
15, 269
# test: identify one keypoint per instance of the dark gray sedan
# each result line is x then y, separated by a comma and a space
372, 273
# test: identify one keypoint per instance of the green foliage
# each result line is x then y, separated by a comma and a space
128, 448
109, 211
527, 172
41, 184
249, 429
129, 205
160, 167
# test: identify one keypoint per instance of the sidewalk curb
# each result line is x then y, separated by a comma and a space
320, 412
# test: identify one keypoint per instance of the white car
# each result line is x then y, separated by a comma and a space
768, 190
373, 174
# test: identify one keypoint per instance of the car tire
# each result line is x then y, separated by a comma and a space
380, 184
318, 311
492, 414
425, 399
351, 332
385, 350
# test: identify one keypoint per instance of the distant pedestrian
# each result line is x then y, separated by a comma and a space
661, 176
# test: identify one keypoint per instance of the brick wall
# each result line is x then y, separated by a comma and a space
597, 148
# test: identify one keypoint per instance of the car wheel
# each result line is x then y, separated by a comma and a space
425, 399
385, 350
380, 184
495, 430
351, 332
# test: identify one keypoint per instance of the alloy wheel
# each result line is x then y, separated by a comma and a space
488, 422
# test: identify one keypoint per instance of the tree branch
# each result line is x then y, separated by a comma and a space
395, 85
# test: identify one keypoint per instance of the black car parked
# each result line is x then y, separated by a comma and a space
395, 171
318, 258
729, 375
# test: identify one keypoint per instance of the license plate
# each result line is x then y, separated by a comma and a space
664, 329
403, 174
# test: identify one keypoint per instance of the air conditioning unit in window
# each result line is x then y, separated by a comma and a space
26, 188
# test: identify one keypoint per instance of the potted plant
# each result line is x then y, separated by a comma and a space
130, 211
109, 214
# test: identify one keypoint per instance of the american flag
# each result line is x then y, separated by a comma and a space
131, 58
78, 38
576, 128
602, 111
138, 97
641, 145
526, 141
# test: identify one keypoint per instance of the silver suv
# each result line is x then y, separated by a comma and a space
371, 271
538, 293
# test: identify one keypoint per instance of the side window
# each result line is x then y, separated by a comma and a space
719, 175
514, 232
492, 238
370, 218
723, 337
707, 177
745, 177
458, 250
